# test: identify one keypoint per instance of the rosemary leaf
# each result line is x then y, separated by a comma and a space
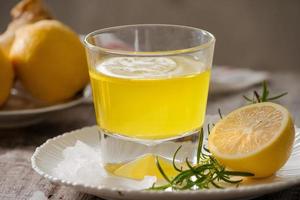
174, 159
161, 170
277, 97
247, 99
220, 114
265, 92
257, 96
237, 173
200, 144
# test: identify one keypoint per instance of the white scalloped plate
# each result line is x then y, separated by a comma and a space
47, 156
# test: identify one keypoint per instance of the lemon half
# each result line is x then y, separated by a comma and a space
257, 138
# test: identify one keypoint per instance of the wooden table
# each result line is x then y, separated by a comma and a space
18, 181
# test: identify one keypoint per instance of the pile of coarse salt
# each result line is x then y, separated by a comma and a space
82, 164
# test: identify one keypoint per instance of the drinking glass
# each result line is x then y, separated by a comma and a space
150, 85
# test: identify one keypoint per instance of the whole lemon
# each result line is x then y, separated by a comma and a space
6, 77
50, 61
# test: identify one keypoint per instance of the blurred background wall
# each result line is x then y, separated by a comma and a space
260, 34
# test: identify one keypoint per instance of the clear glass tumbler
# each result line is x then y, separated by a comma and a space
150, 85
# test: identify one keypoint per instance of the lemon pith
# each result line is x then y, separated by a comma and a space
256, 138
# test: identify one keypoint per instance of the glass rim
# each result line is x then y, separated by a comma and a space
148, 53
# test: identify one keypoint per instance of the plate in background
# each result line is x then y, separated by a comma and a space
21, 110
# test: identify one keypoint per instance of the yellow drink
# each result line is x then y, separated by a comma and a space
150, 98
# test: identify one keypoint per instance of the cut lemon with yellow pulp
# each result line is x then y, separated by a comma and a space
143, 166
257, 138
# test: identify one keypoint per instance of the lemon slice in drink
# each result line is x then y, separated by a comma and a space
257, 138
145, 166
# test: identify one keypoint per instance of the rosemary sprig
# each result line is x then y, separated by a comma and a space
264, 96
206, 173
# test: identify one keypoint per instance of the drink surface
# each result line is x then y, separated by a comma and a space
150, 98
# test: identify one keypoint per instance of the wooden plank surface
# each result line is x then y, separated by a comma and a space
19, 181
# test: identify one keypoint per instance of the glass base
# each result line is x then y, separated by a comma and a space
118, 149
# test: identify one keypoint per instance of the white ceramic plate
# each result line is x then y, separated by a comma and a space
23, 111
47, 156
